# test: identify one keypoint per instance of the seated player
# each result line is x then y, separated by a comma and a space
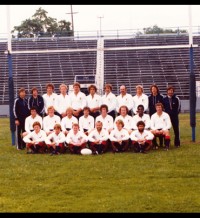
56, 141
160, 125
30, 120
127, 119
35, 141
68, 121
98, 139
141, 116
50, 120
86, 122
119, 137
105, 118
141, 139
76, 139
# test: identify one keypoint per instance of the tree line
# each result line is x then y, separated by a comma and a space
41, 25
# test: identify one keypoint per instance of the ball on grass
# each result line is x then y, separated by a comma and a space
86, 151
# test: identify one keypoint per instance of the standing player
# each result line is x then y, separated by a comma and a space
154, 98
21, 112
110, 100
126, 99
140, 98
78, 100
63, 101
172, 106
36, 101
50, 120
49, 97
93, 101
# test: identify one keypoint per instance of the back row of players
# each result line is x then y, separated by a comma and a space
85, 110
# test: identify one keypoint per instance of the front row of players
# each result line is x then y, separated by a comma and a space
98, 139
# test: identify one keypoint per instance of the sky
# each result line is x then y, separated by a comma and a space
107, 17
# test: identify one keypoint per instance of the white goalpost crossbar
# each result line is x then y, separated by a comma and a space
96, 49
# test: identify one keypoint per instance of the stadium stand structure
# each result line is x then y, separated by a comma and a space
130, 67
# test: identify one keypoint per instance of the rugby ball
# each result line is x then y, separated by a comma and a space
86, 151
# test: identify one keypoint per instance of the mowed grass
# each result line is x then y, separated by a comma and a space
160, 181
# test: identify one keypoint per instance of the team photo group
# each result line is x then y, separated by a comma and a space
79, 123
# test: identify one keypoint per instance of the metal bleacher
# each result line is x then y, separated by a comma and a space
130, 67
38, 69
164, 67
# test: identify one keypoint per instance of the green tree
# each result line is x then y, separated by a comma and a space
42, 25
157, 30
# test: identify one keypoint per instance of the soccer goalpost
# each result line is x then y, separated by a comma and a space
100, 69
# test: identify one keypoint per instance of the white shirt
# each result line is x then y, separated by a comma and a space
126, 100
110, 100
117, 134
49, 122
78, 101
95, 135
86, 123
160, 122
93, 102
33, 136
79, 137
49, 100
62, 103
128, 120
145, 118
146, 134
142, 99
60, 138
66, 122
107, 121
30, 120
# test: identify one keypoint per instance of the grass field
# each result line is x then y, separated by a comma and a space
160, 181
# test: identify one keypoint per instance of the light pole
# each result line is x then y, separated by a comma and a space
100, 17
72, 19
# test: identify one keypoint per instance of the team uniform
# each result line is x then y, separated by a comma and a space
107, 121
94, 102
111, 101
86, 124
127, 120
142, 99
29, 122
49, 122
79, 137
62, 102
66, 123
146, 135
145, 118
126, 100
49, 100
102, 137
59, 140
161, 122
39, 139
78, 101
121, 135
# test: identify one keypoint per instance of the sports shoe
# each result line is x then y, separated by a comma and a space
166, 148
95, 152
